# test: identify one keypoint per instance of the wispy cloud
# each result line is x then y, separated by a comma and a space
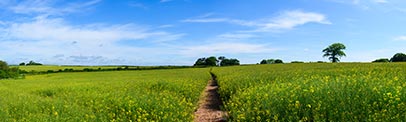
47, 7
206, 20
400, 38
235, 36
28, 39
285, 20
291, 19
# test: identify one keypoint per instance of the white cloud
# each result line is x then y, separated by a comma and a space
400, 38
286, 20
58, 30
206, 20
291, 19
166, 26
46, 7
226, 48
44, 37
235, 36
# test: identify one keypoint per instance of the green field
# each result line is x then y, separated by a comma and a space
314, 92
275, 92
40, 68
166, 95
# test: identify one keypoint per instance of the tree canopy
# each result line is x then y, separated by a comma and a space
398, 57
210, 61
3, 65
334, 52
213, 61
271, 61
229, 62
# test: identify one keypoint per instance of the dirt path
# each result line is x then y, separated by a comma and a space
209, 105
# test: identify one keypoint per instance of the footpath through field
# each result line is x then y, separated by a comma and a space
209, 105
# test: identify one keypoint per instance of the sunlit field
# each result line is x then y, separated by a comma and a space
272, 92
314, 92
165, 95
56, 68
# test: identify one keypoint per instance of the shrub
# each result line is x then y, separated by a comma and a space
381, 60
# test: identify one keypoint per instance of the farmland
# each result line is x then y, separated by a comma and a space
166, 95
274, 92
314, 92
56, 68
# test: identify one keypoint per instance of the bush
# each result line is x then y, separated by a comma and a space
297, 62
33, 63
6, 72
381, 60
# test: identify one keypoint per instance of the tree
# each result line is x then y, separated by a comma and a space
22, 64
3, 65
334, 52
6, 72
263, 62
278, 61
381, 60
213, 61
220, 59
210, 61
33, 63
229, 62
398, 57
271, 61
200, 62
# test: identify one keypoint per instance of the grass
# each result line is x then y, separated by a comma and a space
160, 95
314, 92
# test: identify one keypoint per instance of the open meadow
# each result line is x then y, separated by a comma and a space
273, 92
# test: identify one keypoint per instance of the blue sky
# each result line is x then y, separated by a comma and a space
177, 32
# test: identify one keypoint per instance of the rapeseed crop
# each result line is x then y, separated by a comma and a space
153, 95
314, 92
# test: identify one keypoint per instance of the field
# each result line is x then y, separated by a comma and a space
165, 95
314, 92
275, 92
41, 68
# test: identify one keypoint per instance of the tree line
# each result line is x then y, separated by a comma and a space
214, 61
29, 63
334, 52
398, 57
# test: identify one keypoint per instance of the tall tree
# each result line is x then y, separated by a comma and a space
334, 52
